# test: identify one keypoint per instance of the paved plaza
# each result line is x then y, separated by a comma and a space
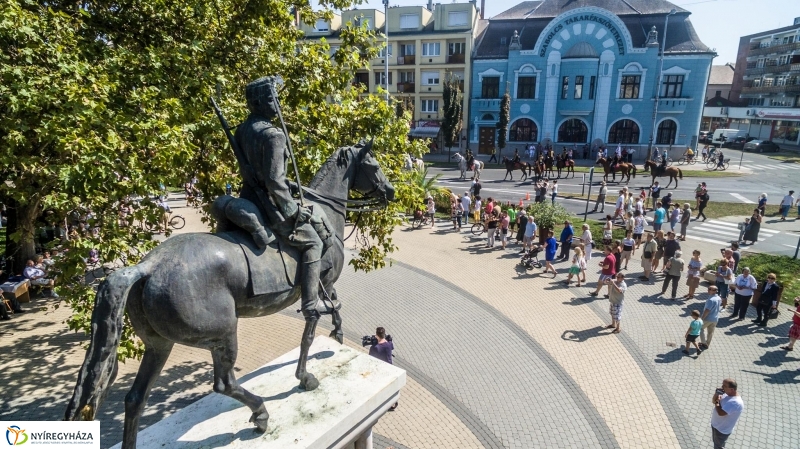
496, 357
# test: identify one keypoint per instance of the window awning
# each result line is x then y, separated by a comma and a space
425, 132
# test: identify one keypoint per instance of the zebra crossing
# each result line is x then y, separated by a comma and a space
712, 231
785, 167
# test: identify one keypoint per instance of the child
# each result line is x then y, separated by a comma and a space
578, 264
694, 332
628, 248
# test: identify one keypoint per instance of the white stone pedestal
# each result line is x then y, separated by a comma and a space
355, 391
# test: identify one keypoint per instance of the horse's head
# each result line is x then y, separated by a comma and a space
458, 156
600, 161
369, 179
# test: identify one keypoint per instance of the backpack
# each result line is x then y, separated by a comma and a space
705, 196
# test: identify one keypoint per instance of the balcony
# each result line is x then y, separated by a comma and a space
672, 105
756, 49
783, 68
457, 58
486, 104
788, 88
406, 60
406, 87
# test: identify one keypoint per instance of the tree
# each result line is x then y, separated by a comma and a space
502, 125
453, 104
101, 103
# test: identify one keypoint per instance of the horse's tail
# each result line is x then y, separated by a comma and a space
680, 173
100, 365
633, 168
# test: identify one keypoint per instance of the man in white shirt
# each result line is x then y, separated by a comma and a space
36, 277
605, 152
465, 203
530, 234
619, 206
745, 283
728, 406
786, 205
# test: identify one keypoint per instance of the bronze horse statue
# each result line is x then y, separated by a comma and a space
193, 288
672, 172
625, 170
524, 167
563, 163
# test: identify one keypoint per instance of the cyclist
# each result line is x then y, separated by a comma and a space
689, 154
705, 153
720, 160
160, 202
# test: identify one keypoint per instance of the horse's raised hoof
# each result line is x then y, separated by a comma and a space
260, 419
337, 335
308, 382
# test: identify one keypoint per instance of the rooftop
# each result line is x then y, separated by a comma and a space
721, 74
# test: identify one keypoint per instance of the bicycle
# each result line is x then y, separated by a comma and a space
660, 158
420, 219
713, 164
685, 159
175, 222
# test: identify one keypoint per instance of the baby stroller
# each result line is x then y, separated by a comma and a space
530, 259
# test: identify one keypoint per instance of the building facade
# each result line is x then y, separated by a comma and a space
766, 84
426, 45
587, 72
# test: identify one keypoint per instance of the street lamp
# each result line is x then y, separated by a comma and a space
386, 33
658, 85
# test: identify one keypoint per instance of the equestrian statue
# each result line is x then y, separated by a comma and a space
270, 250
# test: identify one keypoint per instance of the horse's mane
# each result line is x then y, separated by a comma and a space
336, 160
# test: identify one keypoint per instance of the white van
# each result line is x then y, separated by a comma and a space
730, 135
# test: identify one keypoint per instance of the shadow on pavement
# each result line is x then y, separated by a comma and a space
581, 336
781, 377
674, 355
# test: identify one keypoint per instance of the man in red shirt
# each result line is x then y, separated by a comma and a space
608, 270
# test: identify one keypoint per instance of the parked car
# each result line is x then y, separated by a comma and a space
740, 141
761, 146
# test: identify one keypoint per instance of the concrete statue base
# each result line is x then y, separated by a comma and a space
355, 391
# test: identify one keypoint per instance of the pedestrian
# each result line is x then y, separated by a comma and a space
638, 228
686, 215
670, 246
607, 271
454, 205
629, 222
489, 208
693, 332
638, 206
704, 152
566, 240
512, 218
494, 156
616, 298
554, 192
724, 277
466, 202
616, 250
550, 246
655, 193
728, 406
601, 198
543, 190
522, 223
666, 202
492, 220
703, 202
588, 242
698, 192
742, 229
648, 254
753, 228
578, 266
727, 254
608, 230
504, 224
661, 241
536, 192
693, 273
674, 267
530, 234
431, 209
628, 248
619, 205
659, 214
674, 216
476, 187
736, 255
794, 331
767, 301
710, 317
786, 204
629, 203
762, 204
744, 286
477, 208
381, 348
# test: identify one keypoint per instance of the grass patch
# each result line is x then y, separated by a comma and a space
596, 228
786, 268
717, 210
786, 156
598, 171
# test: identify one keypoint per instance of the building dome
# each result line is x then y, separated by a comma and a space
581, 50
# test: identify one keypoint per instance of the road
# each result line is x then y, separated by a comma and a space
760, 174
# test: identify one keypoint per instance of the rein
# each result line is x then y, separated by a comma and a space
370, 205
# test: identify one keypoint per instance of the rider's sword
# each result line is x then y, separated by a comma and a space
288, 142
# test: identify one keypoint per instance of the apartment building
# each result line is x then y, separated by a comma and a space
766, 84
426, 45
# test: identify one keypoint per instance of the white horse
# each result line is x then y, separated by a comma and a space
413, 164
477, 167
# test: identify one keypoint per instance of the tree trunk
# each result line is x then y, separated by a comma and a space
21, 219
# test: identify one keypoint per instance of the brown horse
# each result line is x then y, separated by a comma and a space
537, 168
673, 172
624, 169
524, 167
569, 164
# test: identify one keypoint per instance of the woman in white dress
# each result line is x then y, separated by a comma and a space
587, 241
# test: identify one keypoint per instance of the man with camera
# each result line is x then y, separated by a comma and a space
380, 347
728, 406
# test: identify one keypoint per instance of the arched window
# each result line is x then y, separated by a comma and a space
666, 132
573, 131
623, 131
523, 130
487, 117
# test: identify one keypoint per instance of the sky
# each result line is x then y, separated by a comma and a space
719, 23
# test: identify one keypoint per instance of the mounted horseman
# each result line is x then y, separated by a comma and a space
266, 204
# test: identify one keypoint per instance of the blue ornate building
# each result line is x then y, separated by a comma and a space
586, 71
